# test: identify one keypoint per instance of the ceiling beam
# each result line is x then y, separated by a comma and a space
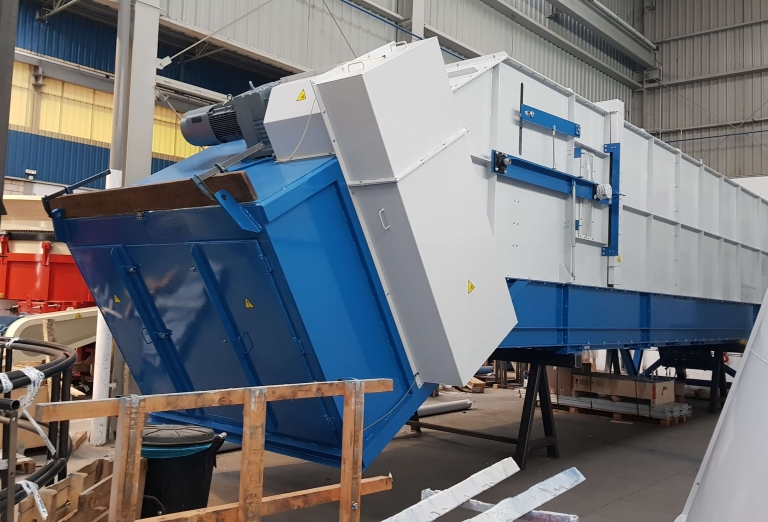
450, 42
221, 41
608, 26
381, 11
535, 27
709, 77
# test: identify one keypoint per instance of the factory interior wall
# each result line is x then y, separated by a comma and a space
63, 112
63, 130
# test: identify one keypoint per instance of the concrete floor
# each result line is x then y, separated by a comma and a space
636, 472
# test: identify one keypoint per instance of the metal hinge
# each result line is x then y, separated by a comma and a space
267, 264
299, 345
331, 423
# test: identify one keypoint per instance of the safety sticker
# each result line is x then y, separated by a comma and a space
618, 259
302, 96
470, 287
117, 299
78, 315
248, 304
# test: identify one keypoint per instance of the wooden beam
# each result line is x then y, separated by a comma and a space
168, 195
123, 500
277, 503
59, 411
252, 464
352, 452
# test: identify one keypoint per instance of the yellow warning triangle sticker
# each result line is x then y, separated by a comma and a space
78, 316
117, 299
248, 304
470, 287
302, 96
618, 259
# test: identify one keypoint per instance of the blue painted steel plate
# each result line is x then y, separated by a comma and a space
196, 302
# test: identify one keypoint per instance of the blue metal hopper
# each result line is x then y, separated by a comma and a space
197, 302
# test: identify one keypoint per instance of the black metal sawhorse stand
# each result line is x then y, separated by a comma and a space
537, 388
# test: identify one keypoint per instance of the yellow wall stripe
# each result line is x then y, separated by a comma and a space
77, 112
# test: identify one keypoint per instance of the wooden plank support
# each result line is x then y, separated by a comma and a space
58, 411
123, 500
352, 451
277, 503
252, 464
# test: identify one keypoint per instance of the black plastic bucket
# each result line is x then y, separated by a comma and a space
180, 462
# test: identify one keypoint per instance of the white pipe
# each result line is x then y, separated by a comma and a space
102, 361
444, 407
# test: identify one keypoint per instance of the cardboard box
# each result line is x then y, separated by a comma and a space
559, 379
26, 439
656, 391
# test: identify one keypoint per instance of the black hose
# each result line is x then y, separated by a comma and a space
41, 476
62, 359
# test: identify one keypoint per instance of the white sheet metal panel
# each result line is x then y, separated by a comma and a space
723, 489
405, 157
297, 133
684, 228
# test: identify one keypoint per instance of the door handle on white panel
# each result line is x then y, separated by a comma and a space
382, 217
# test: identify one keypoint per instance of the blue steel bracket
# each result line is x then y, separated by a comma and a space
528, 172
237, 212
614, 151
549, 121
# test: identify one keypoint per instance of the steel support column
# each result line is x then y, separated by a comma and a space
141, 109
9, 15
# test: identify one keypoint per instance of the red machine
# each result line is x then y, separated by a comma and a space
35, 271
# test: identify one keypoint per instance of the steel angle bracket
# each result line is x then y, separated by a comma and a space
525, 171
614, 152
236, 211
225, 199
549, 121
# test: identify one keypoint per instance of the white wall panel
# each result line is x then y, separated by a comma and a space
688, 202
688, 263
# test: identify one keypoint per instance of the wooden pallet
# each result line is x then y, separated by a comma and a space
625, 417
131, 411
81, 497
24, 465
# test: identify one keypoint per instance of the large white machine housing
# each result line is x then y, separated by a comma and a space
414, 138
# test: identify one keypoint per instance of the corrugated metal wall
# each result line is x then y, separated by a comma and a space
79, 40
301, 31
699, 113
625, 9
482, 28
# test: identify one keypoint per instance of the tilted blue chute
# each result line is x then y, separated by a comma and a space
197, 302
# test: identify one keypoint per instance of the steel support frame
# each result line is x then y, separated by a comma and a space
614, 151
9, 15
713, 361
611, 28
525, 171
519, 17
57, 6
537, 388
